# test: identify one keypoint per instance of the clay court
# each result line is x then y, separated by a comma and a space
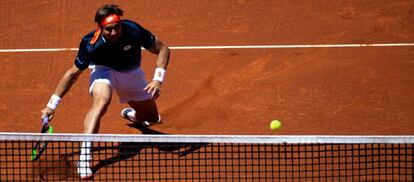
321, 90
321, 67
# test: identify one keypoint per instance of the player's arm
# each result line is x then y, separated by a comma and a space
66, 82
163, 53
163, 56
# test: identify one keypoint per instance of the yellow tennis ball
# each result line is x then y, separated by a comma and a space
275, 125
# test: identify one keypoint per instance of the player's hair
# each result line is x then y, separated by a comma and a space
106, 10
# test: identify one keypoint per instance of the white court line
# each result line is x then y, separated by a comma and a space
295, 46
39, 50
234, 47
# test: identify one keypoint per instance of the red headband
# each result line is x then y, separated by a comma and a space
110, 19
107, 20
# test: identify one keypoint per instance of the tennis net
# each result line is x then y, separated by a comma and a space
210, 158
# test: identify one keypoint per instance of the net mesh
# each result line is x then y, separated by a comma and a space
210, 158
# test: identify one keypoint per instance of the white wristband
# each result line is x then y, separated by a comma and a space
159, 74
53, 102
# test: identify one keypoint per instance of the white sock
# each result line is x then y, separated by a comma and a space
85, 154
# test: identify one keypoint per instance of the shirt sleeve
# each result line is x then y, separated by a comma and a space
81, 60
147, 39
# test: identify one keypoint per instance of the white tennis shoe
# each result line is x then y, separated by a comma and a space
129, 114
84, 170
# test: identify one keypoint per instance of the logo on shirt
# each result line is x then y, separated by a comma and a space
128, 47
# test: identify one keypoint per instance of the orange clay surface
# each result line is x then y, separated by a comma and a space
361, 90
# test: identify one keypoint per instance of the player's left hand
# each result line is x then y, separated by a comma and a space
154, 88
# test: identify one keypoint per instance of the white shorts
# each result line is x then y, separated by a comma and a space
128, 85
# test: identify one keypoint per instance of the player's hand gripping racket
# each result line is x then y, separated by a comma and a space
40, 145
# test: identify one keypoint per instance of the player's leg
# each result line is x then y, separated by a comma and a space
101, 97
145, 112
101, 92
130, 89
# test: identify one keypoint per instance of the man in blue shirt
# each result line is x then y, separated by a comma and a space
113, 53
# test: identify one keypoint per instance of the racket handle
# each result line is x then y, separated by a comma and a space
45, 120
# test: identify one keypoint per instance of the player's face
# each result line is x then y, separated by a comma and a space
112, 32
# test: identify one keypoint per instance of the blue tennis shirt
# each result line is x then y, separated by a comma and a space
121, 56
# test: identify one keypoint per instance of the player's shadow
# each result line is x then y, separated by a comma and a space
66, 164
145, 130
128, 150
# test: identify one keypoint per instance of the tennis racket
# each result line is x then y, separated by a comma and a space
40, 145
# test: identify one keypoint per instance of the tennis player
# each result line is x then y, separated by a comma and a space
113, 54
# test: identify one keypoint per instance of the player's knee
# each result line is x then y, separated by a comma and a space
154, 118
101, 103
